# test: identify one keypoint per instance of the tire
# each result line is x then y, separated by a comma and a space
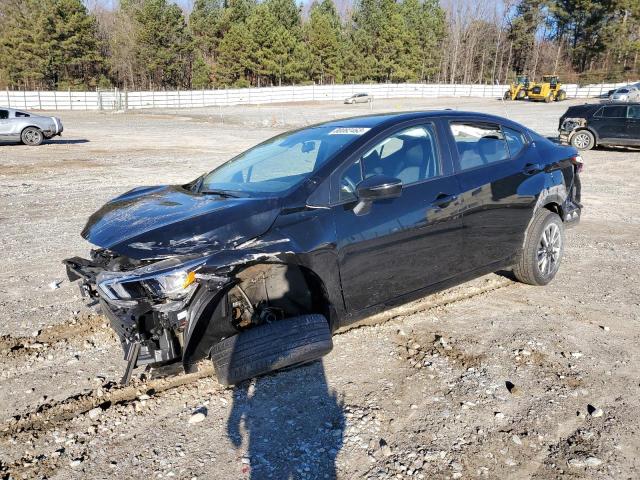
32, 136
548, 98
520, 95
507, 95
583, 140
562, 95
540, 258
270, 347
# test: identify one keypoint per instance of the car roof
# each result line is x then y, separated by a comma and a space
12, 109
387, 119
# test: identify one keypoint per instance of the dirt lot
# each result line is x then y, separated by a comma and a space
492, 379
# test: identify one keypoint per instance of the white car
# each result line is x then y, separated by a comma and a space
28, 128
628, 93
359, 98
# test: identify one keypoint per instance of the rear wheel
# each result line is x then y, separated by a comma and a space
272, 346
562, 95
520, 95
583, 140
507, 95
541, 254
548, 98
32, 136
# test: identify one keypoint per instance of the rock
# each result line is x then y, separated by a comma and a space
513, 389
385, 448
575, 463
94, 413
197, 417
75, 463
55, 284
576, 354
499, 415
595, 411
605, 328
593, 462
516, 439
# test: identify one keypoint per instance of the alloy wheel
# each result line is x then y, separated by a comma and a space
582, 140
549, 249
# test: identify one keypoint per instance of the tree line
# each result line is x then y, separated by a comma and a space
154, 44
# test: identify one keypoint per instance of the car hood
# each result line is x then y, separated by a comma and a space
157, 222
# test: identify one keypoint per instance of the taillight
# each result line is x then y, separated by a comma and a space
578, 162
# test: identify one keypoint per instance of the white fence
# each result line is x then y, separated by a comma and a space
122, 100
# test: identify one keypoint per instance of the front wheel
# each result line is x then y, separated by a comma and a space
583, 140
541, 254
562, 95
270, 347
32, 136
507, 95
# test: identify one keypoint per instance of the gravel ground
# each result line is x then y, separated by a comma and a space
491, 379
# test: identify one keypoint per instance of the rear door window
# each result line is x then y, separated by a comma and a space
613, 111
479, 144
22, 114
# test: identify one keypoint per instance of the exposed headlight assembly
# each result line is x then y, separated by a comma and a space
168, 279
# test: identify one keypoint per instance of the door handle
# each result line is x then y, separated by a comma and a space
443, 200
531, 168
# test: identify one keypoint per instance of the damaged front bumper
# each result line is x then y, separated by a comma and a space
147, 303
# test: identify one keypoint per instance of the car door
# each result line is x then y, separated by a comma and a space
404, 244
633, 124
5, 126
493, 163
610, 123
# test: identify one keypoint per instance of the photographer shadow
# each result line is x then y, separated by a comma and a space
290, 425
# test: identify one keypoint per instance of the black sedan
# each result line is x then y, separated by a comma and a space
256, 263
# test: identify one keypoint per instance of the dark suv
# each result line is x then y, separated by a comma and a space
585, 126
256, 263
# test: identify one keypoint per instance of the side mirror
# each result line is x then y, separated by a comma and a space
377, 187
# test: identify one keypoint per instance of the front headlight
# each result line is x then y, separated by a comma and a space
167, 279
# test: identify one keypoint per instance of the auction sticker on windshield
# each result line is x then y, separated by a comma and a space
349, 131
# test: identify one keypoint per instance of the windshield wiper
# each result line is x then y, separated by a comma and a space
222, 193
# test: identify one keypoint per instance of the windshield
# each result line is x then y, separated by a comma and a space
280, 163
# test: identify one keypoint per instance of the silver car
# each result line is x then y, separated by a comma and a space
359, 98
28, 128
628, 93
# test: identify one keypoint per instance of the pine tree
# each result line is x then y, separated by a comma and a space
235, 64
324, 38
49, 44
205, 23
163, 46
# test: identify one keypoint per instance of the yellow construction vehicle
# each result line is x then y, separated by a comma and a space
519, 89
548, 90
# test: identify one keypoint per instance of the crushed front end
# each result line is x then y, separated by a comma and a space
568, 126
147, 302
